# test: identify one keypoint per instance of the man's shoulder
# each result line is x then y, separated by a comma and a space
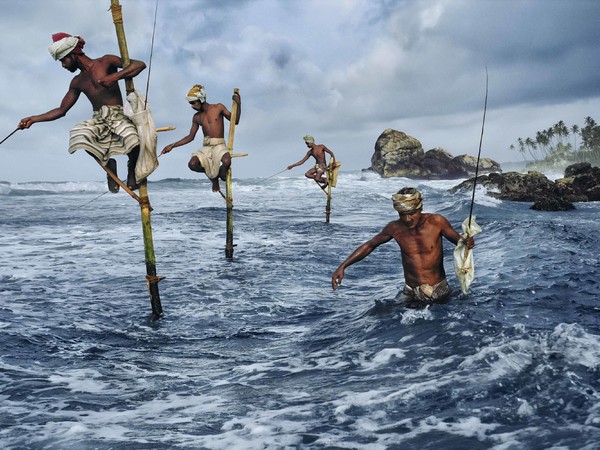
435, 219
107, 57
393, 225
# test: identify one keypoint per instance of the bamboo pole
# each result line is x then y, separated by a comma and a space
330, 169
328, 205
228, 182
151, 278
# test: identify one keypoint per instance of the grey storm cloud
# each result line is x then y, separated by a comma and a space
343, 70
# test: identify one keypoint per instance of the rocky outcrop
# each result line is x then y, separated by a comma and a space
581, 184
400, 155
394, 155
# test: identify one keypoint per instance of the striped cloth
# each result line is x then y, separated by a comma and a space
425, 292
107, 134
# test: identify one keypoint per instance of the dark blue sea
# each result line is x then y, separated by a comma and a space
258, 352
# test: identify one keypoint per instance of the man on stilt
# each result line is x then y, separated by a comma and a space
214, 158
319, 171
110, 132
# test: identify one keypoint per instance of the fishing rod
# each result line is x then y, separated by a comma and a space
10, 135
480, 141
150, 59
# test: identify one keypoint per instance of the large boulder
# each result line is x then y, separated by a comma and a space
400, 155
437, 164
466, 166
395, 154
514, 186
581, 184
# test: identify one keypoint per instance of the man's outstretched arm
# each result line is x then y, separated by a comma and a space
359, 254
66, 104
302, 161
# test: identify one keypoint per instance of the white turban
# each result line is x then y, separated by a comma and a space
63, 47
308, 138
407, 202
196, 93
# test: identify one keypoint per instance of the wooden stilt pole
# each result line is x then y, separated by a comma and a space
151, 278
329, 181
228, 182
328, 206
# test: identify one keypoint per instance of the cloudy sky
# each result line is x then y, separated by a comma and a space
341, 70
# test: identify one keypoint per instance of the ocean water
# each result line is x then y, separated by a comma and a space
258, 352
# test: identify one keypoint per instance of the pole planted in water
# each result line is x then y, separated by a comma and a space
151, 278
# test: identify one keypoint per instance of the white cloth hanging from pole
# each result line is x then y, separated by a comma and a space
140, 114
463, 256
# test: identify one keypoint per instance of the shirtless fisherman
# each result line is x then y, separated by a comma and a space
317, 151
213, 158
109, 132
419, 236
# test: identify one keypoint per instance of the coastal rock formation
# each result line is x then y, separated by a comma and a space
394, 153
581, 184
400, 155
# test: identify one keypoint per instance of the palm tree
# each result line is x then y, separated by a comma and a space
512, 149
531, 146
575, 132
542, 140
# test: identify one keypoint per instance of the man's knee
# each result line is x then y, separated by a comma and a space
226, 159
195, 165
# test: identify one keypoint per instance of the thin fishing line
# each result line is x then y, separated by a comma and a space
151, 52
95, 198
480, 141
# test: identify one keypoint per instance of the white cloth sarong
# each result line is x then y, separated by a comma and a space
108, 133
210, 156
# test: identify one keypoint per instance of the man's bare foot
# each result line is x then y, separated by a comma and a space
131, 183
113, 186
215, 185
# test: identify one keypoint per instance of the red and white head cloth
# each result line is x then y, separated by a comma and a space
63, 44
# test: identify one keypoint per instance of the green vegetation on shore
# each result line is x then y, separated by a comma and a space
559, 146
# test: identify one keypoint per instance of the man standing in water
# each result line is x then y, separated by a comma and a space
109, 132
419, 236
213, 158
319, 170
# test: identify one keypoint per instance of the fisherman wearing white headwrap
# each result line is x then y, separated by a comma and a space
196, 93
213, 158
419, 236
109, 132
63, 44
319, 171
